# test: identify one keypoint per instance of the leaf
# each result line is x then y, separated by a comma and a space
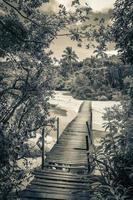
75, 2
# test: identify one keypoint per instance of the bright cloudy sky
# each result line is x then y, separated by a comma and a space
58, 45
97, 5
101, 4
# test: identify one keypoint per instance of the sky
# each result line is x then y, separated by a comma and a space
60, 44
97, 5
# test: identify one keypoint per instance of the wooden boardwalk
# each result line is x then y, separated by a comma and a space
65, 174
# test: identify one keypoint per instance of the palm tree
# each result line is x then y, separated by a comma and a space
69, 58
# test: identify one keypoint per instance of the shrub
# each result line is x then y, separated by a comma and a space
114, 158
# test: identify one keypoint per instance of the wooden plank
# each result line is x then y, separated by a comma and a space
53, 189
72, 141
59, 156
80, 157
72, 137
60, 173
56, 171
73, 165
40, 195
60, 182
61, 177
57, 178
80, 142
74, 149
75, 133
79, 150
50, 190
76, 130
57, 191
61, 185
71, 147
66, 160
58, 153
75, 139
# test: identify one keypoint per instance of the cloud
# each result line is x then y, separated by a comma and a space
59, 44
97, 5
51, 6
100, 5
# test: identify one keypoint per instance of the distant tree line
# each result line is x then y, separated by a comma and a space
93, 78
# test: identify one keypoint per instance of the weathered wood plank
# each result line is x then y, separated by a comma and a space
60, 182
63, 179
52, 184
57, 177
40, 195
68, 154
58, 172
69, 162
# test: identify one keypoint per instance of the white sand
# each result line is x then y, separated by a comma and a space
63, 100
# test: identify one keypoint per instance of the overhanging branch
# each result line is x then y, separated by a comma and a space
20, 13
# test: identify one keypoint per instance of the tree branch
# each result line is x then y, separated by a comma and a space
6, 118
22, 116
25, 17
21, 39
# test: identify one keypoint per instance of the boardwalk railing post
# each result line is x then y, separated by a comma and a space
87, 152
89, 132
91, 118
87, 143
43, 148
58, 129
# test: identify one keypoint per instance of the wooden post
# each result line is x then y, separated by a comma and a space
87, 152
87, 143
43, 149
91, 119
58, 129
89, 132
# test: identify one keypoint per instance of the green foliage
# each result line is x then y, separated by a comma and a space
26, 85
24, 110
99, 79
68, 62
122, 28
95, 78
114, 158
123, 35
26, 80
59, 83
